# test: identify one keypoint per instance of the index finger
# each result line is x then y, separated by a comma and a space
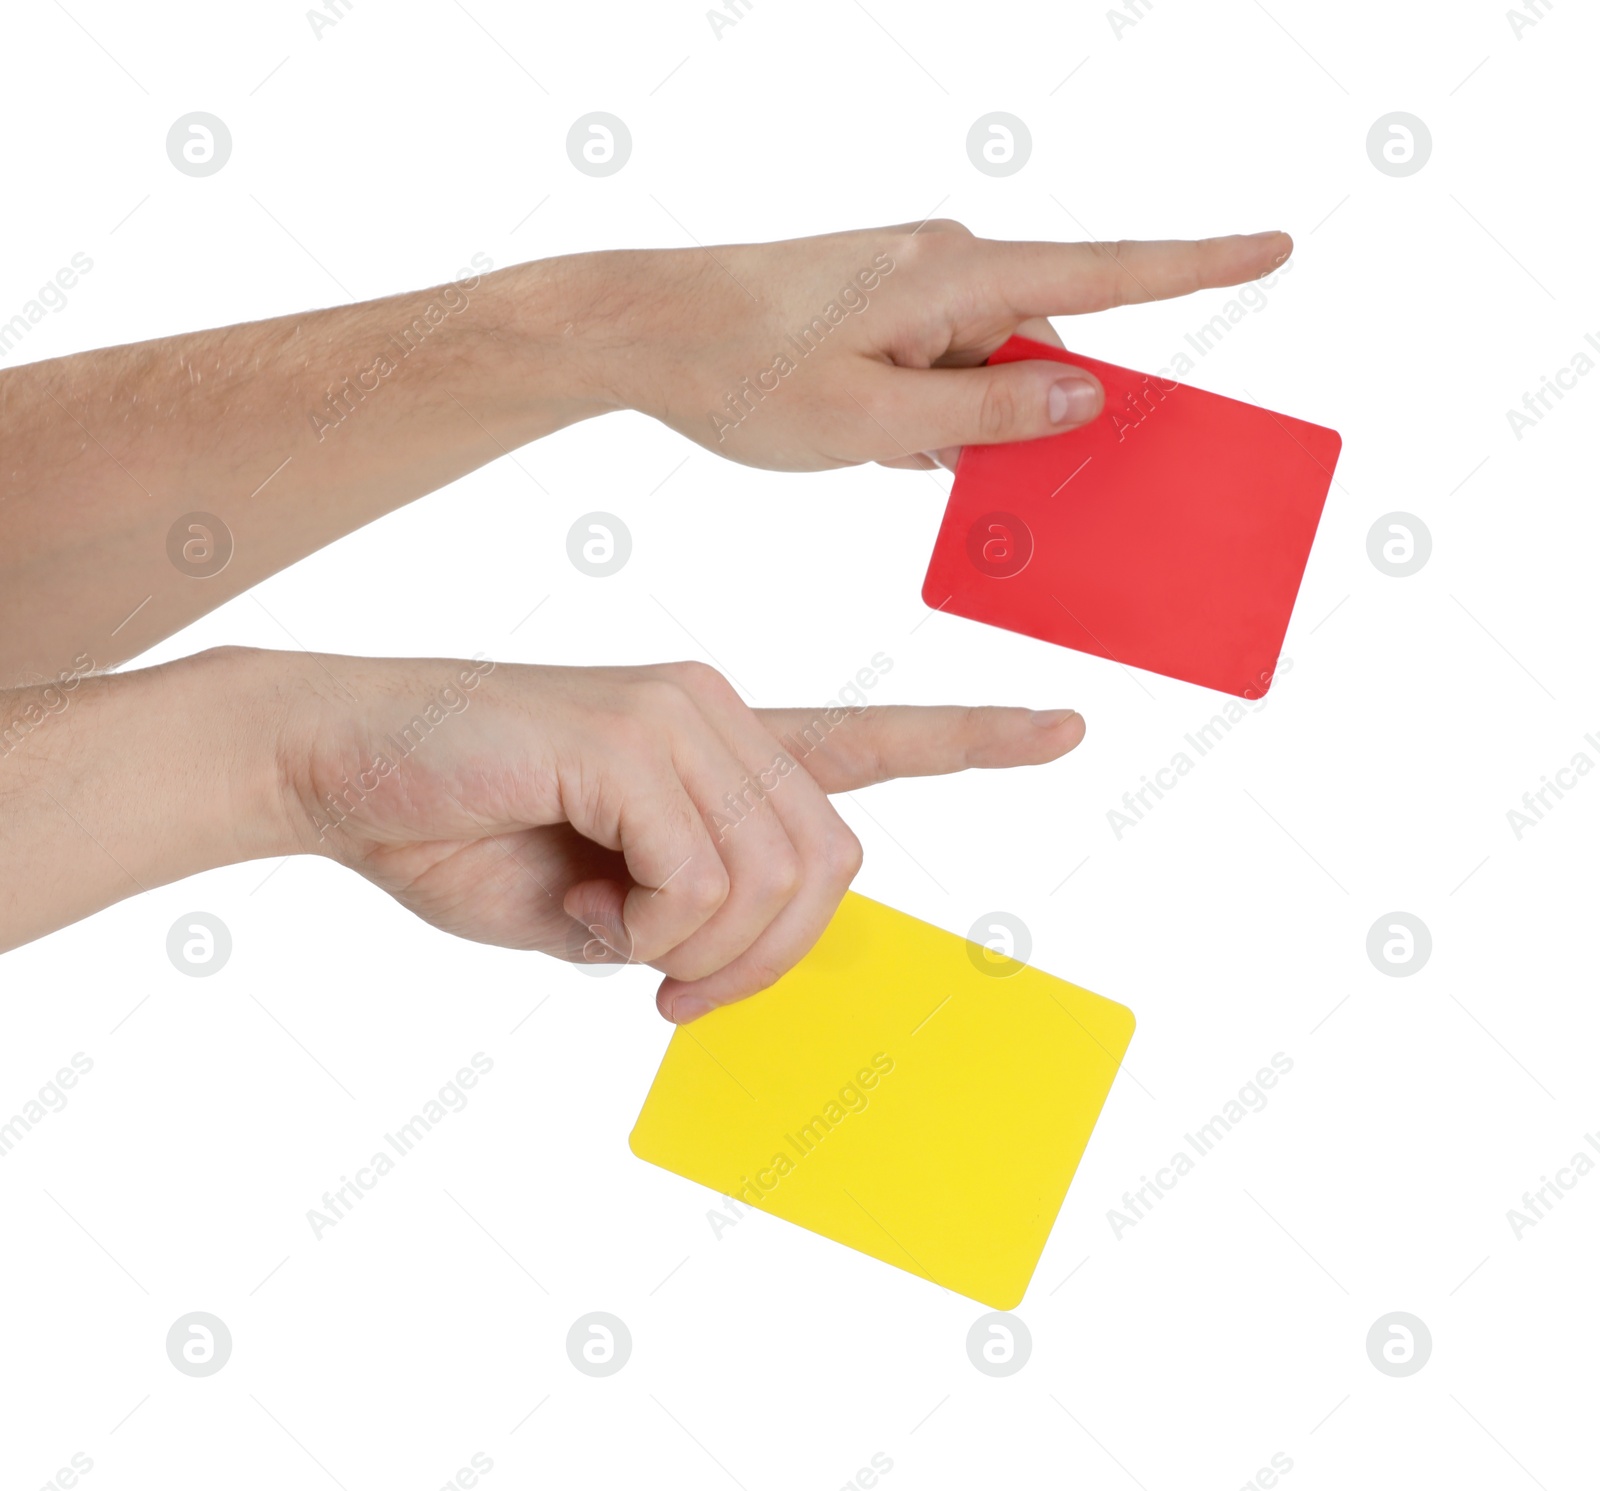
1062, 279
843, 749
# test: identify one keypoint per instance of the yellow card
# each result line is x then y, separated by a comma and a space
903, 1091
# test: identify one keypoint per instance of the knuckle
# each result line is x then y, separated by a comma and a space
658, 698
695, 677
779, 875
705, 886
700, 680
933, 242
842, 855
982, 726
688, 964
1119, 284
756, 974
910, 249
997, 412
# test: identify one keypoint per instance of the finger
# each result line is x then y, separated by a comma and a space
1054, 279
679, 880
599, 907
763, 865
830, 857
925, 409
791, 935
1037, 329
886, 741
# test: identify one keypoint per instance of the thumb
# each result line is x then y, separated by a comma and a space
931, 408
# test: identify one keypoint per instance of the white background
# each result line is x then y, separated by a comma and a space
1228, 1326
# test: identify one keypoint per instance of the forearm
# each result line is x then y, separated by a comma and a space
110, 786
292, 432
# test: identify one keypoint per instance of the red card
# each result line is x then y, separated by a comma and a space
1169, 534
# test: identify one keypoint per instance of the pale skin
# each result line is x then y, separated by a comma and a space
576, 811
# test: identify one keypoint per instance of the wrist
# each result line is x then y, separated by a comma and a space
229, 710
555, 325
621, 325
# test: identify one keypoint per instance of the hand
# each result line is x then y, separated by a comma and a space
866, 346
638, 814
813, 353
